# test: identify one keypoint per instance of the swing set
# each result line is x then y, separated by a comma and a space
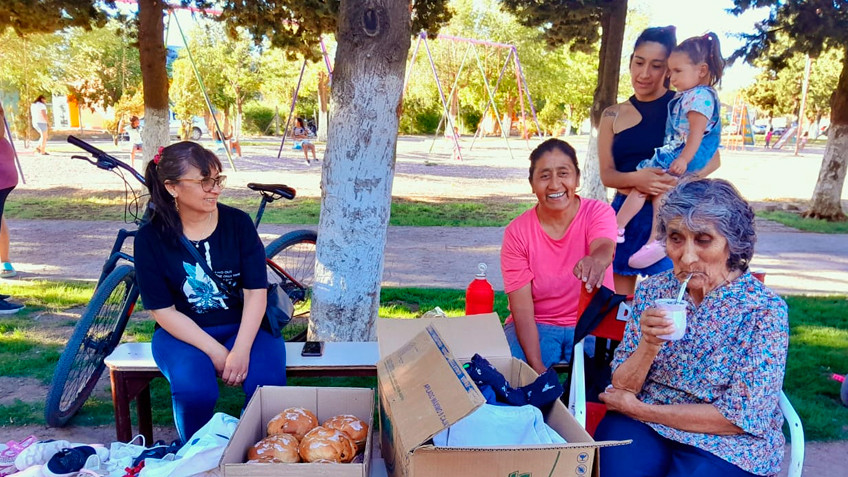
206, 94
472, 44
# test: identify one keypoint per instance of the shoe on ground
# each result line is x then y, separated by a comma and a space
650, 253
620, 237
158, 451
12, 449
7, 308
8, 271
39, 453
68, 462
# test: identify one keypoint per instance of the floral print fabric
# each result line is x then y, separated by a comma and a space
732, 356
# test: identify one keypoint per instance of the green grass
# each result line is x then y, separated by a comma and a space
818, 348
808, 225
303, 211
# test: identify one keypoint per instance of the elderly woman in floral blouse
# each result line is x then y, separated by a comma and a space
706, 405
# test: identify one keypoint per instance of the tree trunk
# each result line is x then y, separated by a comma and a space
606, 94
356, 184
323, 105
154, 77
826, 202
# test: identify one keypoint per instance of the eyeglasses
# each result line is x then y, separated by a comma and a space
209, 183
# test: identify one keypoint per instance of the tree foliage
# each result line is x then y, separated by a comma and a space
563, 22
297, 25
44, 16
812, 27
102, 65
776, 92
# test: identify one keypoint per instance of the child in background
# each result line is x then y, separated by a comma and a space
134, 131
692, 131
769, 134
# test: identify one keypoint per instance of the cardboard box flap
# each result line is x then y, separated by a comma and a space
464, 336
424, 389
576, 445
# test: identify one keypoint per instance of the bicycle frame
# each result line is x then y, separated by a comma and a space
117, 253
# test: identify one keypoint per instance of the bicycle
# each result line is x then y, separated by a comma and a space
290, 259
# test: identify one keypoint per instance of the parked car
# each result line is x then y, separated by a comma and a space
198, 127
760, 128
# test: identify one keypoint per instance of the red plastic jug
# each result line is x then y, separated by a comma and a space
479, 296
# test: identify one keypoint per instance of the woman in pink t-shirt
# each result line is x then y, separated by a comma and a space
549, 252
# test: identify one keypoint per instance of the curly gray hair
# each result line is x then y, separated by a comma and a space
716, 202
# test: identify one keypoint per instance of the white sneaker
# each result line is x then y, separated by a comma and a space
120, 450
39, 453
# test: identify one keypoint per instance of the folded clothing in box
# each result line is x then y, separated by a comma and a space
494, 425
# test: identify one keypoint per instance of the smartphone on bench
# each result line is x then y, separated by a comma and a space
312, 349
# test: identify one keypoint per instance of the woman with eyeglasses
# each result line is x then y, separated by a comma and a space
202, 332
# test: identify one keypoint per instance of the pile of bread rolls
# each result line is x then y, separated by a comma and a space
295, 436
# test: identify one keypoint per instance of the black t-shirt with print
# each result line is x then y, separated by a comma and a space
168, 275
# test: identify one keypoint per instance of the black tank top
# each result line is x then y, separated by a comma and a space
631, 146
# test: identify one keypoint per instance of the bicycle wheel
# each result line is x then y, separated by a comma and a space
96, 335
293, 257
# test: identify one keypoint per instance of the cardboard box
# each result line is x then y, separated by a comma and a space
268, 401
424, 390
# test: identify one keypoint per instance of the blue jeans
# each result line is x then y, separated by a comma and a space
651, 455
194, 383
555, 342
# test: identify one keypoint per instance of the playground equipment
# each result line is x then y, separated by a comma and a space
472, 48
743, 134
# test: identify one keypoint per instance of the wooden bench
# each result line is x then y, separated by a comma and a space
131, 368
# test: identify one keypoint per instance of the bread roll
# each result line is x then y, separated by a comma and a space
324, 444
296, 421
282, 448
354, 427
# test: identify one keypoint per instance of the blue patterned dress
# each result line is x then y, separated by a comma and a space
733, 356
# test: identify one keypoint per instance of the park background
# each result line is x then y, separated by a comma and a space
561, 83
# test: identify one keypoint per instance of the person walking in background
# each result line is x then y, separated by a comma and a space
38, 111
134, 131
769, 134
8, 181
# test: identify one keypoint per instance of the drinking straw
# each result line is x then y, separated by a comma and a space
683, 288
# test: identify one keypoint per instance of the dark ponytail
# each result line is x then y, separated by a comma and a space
705, 49
169, 165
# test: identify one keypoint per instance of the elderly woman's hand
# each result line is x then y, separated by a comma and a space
655, 323
620, 400
590, 271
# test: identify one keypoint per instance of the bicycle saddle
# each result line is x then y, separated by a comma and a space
278, 189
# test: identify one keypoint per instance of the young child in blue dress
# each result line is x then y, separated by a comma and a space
692, 131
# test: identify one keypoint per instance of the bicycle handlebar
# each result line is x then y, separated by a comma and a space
105, 161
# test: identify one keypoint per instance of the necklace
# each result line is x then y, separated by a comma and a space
203, 231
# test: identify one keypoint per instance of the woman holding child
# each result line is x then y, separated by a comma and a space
629, 133
548, 253
708, 403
